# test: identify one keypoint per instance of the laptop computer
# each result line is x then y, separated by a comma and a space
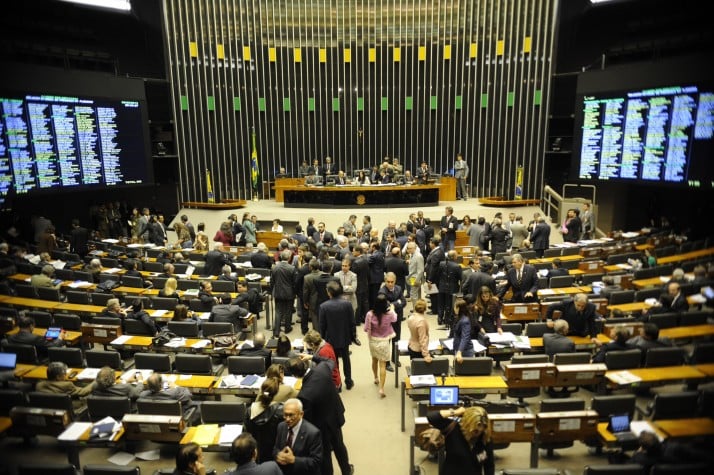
619, 426
8, 361
52, 333
443, 395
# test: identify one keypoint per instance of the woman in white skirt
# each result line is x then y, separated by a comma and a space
378, 325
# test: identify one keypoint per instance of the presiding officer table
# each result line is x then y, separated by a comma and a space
347, 196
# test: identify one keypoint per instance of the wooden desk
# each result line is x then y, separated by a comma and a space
72, 446
362, 196
688, 332
213, 446
663, 374
80, 309
566, 426
70, 337
31, 304
581, 342
585, 289
707, 368
658, 281
634, 307
549, 260
591, 267
5, 424
22, 369
579, 374
141, 343
521, 312
467, 385
98, 333
197, 384
687, 256
529, 375
693, 427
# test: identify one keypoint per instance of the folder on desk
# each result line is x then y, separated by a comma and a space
249, 380
422, 380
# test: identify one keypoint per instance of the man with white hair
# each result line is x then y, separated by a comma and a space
579, 313
558, 342
215, 260
260, 259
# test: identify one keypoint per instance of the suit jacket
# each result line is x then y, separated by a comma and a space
416, 269
215, 260
253, 351
307, 447
574, 227
451, 223
360, 266
228, 313
261, 260
474, 281
282, 281
498, 236
518, 233
556, 343
432, 263
78, 240
680, 304
321, 402
376, 267
529, 283
557, 272
40, 343
251, 468
337, 322
540, 237
309, 291
399, 267
581, 324
448, 277
326, 235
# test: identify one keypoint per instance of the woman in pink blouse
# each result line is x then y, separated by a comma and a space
378, 325
419, 332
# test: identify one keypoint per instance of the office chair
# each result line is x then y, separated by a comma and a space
245, 365
664, 320
571, 358
626, 469
678, 405
46, 469
26, 354
25, 290
110, 470
437, 367
196, 364
644, 294
158, 362
645, 273
622, 296
100, 359
588, 279
680, 469
559, 405
698, 317
220, 286
49, 293
72, 357
99, 407
537, 329
137, 327
186, 329
85, 276
77, 296
672, 356
100, 299
515, 328
702, 353
561, 281
214, 328
186, 284
10, 398
68, 321
42, 319
607, 406
623, 359
54, 401
154, 267
132, 281
164, 303
474, 366
221, 412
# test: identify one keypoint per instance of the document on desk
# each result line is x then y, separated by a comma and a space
298, 344
121, 340
422, 380
80, 284
229, 432
522, 342
501, 338
623, 377
75, 431
113, 270
176, 343
201, 344
158, 313
88, 374
206, 434
637, 427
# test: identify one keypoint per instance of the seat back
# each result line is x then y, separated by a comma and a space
164, 303
186, 328
625, 359
193, 364
51, 401
106, 321
137, 327
220, 286
680, 469
644, 294
99, 359
154, 267
159, 282
100, 407
537, 329
561, 405
606, 406
622, 296
187, 284
214, 328
588, 279
25, 353
157, 362
694, 318
655, 357
246, 365
665, 320
515, 328
72, 357
101, 298
46, 469
703, 353
68, 321
474, 366
26, 291
561, 281
42, 319
132, 281
77, 296
571, 358
220, 412
110, 470
48, 293
526, 359
438, 366
626, 469
159, 407
10, 398
677, 405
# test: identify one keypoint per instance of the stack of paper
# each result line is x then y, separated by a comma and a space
422, 380
229, 433
522, 342
623, 377
504, 338
89, 374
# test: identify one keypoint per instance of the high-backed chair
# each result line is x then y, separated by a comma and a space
187, 284
626, 469
623, 359
26, 354
68, 321
214, 328
220, 286
694, 318
437, 367
571, 358
606, 406
42, 319
110, 470
672, 356
132, 281
77, 296
99, 407
588, 279
99, 359
26, 290
49, 293
561, 281
71, 356
221, 412
522, 393
680, 469
154, 267
644, 294
137, 327
675, 405
665, 320
474, 366
164, 303
622, 296
10, 398
246, 365
100, 298
186, 328
560, 405
53, 401
158, 362
515, 328
46, 469
702, 353
537, 329
196, 364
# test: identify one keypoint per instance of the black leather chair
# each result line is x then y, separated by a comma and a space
77, 296
26, 354
10, 398
186, 329
606, 406
571, 358
664, 320
437, 367
537, 329
678, 405
99, 407
54, 401
71, 356
46, 469
49, 293
100, 298
644, 294
561, 281
702, 353
559, 405
694, 318
246, 365
680, 469
157, 362
220, 286
515, 328
214, 328
221, 412
132, 281
655, 357
623, 359
622, 296
110, 470
196, 364
42, 319
626, 469
68, 321
474, 366
99, 359
137, 327
26, 290
164, 303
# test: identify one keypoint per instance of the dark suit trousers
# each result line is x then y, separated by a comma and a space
446, 310
362, 306
283, 315
334, 443
344, 354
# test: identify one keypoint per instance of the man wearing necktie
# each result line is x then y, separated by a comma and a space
522, 279
298, 443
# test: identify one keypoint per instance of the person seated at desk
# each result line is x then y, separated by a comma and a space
619, 335
303, 169
408, 177
258, 348
44, 278
558, 342
315, 169
158, 389
374, 175
276, 227
244, 452
225, 311
95, 268
137, 312
227, 274
184, 236
557, 269
648, 338
250, 297
205, 295
341, 178
25, 336
672, 301
362, 179
57, 383
113, 310
131, 271
386, 167
169, 290
522, 278
260, 259
183, 314
189, 460
424, 173
653, 452
384, 177
106, 385
579, 313
313, 180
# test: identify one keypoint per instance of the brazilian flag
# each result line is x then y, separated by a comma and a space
254, 170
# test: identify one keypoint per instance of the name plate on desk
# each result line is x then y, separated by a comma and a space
153, 427
579, 374
34, 420
530, 375
521, 311
97, 333
514, 427
566, 426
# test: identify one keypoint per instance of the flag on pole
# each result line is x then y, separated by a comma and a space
209, 188
254, 170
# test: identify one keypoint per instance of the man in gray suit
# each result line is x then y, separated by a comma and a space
298, 443
558, 342
244, 452
415, 277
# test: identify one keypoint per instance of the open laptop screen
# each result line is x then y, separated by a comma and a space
443, 395
7, 361
619, 423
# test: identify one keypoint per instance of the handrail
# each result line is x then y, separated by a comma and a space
551, 201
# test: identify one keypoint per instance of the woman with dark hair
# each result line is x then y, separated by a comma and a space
467, 440
285, 391
265, 415
487, 315
378, 326
137, 312
183, 314
362, 179
225, 234
201, 243
189, 460
462, 331
284, 347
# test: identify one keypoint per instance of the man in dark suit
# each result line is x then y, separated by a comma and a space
323, 407
309, 295
25, 337
397, 265
227, 312
522, 279
158, 389
337, 327
78, 238
580, 315
449, 224
376, 272
260, 258
360, 266
298, 443
215, 260
448, 279
558, 342
557, 269
282, 287
244, 452
480, 277
677, 301
258, 348
321, 235
431, 265
540, 236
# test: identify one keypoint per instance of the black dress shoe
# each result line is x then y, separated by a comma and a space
357, 342
352, 469
349, 384
390, 368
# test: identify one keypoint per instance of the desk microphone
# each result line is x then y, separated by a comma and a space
443, 379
